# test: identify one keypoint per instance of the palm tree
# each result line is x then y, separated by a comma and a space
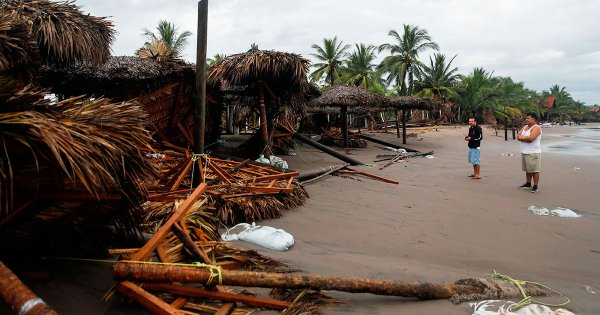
475, 92
359, 67
437, 79
400, 65
330, 59
216, 58
166, 44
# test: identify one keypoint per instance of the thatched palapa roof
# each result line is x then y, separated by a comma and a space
349, 95
285, 73
63, 33
410, 102
120, 77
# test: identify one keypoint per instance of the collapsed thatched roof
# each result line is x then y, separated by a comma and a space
18, 52
285, 73
120, 77
409, 102
349, 95
63, 34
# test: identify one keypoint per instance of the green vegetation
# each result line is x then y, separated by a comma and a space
480, 94
167, 44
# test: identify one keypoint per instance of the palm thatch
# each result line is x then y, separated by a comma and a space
74, 146
16, 95
121, 78
349, 95
409, 103
63, 33
18, 52
285, 73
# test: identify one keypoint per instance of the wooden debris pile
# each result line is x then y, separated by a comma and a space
186, 236
335, 137
243, 191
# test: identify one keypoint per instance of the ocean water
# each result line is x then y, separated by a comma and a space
586, 141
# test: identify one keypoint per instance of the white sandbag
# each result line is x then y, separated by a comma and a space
265, 236
499, 307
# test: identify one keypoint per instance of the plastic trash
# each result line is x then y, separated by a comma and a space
279, 162
430, 156
499, 307
558, 211
263, 159
265, 236
396, 150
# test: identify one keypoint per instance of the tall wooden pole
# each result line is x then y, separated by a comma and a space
403, 126
264, 130
397, 124
200, 93
344, 118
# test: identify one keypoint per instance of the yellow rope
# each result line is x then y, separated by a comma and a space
215, 271
526, 298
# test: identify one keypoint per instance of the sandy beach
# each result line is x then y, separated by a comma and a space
440, 225
436, 225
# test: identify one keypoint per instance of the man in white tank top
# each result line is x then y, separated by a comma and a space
530, 137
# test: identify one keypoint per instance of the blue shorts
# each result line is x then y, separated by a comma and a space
474, 156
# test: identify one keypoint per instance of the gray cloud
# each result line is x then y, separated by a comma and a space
538, 42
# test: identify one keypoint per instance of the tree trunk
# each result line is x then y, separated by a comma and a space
344, 114
167, 274
19, 297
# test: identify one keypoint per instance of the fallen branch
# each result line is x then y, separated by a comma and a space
322, 173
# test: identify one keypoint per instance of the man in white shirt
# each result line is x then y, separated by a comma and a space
530, 137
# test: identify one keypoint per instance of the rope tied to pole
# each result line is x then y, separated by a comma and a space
215, 272
526, 300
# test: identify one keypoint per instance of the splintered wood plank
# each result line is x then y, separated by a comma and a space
182, 175
383, 179
189, 291
179, 303
147, 300
220, 173
275, 176
151, 245
265, 189
289, 183
226, 309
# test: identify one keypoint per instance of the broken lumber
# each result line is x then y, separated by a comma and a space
188, 291
147, 300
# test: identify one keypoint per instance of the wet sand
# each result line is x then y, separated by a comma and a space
436, 225
440, 225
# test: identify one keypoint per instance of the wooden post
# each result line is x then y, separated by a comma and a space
19, 297
264, 131
397, 124
403, 126
183, 274
200, 108
344, 119
505, 129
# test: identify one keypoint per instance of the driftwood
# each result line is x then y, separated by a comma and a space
469, 289
19, 297
356, 172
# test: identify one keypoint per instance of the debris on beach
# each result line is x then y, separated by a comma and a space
501, 307
557, 211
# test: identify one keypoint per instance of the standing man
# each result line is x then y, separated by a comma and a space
530, 137
474, 137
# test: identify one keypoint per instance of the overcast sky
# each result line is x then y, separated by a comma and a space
538, 42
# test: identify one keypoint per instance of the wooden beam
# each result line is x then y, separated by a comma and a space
226, 309
189, 291
147, 300
187, 242
152, 244
383, 179
179, 303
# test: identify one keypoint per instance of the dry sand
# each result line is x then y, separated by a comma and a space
436, 225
